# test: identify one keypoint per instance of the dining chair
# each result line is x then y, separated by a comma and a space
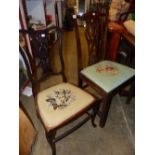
62, 103
105, 76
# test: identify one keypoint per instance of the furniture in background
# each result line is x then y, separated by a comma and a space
61, 103
122, 36
128, 38
104, 76
115, 30
27, 132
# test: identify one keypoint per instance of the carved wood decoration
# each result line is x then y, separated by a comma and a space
95, 32
42, 42
39, 42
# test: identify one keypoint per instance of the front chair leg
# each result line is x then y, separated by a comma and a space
50, 137
95, 111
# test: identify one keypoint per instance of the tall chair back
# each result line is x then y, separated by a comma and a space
95, 33
45, 45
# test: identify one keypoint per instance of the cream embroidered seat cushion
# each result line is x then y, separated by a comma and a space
108, 74
60, 103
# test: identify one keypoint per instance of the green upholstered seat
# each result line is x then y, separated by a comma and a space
108, 75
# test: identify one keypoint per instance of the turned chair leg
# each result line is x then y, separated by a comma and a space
50, 137
95, 111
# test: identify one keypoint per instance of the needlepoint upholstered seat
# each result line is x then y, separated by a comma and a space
108, 74
59, 103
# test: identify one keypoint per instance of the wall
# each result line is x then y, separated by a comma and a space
36, 10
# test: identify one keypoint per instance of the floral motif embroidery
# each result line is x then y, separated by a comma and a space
60, 98
107, 69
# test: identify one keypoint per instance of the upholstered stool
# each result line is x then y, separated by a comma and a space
107, 78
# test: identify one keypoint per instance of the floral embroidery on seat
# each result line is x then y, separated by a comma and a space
60, 98
108, 69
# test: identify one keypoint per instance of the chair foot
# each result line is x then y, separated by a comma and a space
131, 93
95, 111
50, 138
80, 83
94, 125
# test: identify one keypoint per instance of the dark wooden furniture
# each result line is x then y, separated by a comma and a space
106, 77
95, 24
62, 103
117, 33
115, 30
42, 42
129, 39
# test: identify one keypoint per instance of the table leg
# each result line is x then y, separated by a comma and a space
105, 105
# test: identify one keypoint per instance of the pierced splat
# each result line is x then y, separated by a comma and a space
39, 42
94, 32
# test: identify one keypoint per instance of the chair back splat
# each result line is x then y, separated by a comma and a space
43, 43
95, 32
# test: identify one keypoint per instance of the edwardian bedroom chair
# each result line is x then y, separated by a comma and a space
106, 77
62, 103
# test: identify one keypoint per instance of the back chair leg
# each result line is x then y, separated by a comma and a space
131, 93
95, 111
50, 137
80, 83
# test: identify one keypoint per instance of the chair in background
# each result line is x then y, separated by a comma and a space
27, 132
62, 103
128, 36
106, 77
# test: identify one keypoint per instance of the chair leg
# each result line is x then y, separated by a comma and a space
95, 111
80, 83
50, 138
131, 93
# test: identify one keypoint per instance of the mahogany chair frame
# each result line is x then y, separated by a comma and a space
51, 135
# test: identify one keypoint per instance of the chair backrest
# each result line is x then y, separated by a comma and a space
100, 6
46, 45
95, 29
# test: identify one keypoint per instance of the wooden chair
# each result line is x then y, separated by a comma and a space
27, 132
62, 103
106, 77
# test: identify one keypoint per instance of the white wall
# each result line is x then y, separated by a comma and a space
50, 9
35, 8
